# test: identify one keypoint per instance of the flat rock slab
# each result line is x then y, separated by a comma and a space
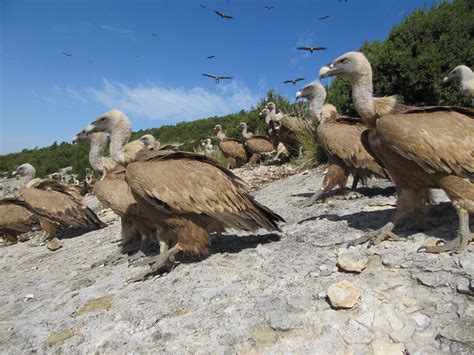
254, 294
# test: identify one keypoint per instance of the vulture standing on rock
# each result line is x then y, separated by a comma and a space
186, 195
254, 145
466, 77
286, 128
340, 138
59, 208
232, 148
16, 219
113, 191
420, 148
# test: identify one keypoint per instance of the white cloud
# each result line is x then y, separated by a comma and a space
170, 105
123, 31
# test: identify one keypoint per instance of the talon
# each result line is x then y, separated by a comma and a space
422, 249
440, 243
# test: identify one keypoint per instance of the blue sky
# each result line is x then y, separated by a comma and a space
116, 62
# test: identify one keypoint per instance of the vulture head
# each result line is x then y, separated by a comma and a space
108, 122
351, 65
150, 141
271, 106
25, 170
458, 73
80, 137
242, 126
265, 114
217, 128
315, 93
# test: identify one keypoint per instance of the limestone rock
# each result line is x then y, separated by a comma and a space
381, 346
54, 244
343, 294
460, 331
352, 261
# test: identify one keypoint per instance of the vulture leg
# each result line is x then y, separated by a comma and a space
459, 243
377, 236
354, 183
231, 163
317, 196
254, 158
334, 176
159, 263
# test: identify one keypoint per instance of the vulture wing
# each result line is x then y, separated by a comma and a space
210, 75
59, 208
234, 148
438, 139
259, 144
184, 183
15, 218
344, 141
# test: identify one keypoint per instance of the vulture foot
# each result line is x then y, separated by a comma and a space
456, 245
113, 259
158, 264
377, 236
350, 195
317, 197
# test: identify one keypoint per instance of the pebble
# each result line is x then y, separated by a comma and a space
54, 244
384, 347
352, 261
421, 321
343, 294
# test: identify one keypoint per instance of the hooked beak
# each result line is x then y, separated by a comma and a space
75, 139
91, 128
14, 173
327, 71
446, 79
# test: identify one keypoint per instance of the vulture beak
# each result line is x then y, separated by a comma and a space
446, 79
74, 139
91, 128
327, 71
299, 95
14, 173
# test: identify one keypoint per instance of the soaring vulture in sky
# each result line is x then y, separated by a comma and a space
223, 15
255, 146
311, 49
187, 195
466, 77
232, 148
420, 148
340, 138
217, 78
292, 81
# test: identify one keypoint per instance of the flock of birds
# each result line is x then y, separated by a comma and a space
180, 198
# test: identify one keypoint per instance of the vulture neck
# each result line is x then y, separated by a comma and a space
246, 134
466, 73
221, 135
316, 103
362, 96
120, 135
96, 153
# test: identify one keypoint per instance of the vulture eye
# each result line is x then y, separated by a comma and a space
102, 119
343, 61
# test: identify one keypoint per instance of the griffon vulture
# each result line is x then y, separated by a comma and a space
217, 78
255, 146
223, 15
232, 148
340, 138
16, 219
466, 77
186, 195
311, 49
58, 207
420, 148
292, 81
286, 128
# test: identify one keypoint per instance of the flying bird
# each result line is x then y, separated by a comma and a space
311, 49
211, 56
223, 15
154, 34
67, 54
324, 17
217, 77
203, 6
293, 81
269, 7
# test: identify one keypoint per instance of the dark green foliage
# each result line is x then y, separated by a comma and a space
417, 54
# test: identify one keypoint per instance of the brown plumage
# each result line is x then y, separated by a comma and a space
420, 148
254, 145
60, 209
286, 127
16, 219
340, 138
232, 148
186, 195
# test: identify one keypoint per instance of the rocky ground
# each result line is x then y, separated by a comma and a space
300, 291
